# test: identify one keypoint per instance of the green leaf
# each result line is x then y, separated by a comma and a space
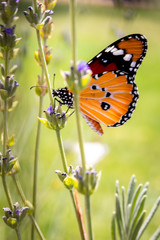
156, 235
123, 201
45, 122
137, 214
119, 216
131, 188
113, 227
128, 217
137, 226
149, 218
140, 196
135, 196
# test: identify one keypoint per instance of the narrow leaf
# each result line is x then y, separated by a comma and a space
119, 215
113, 227
123, 201
156, 235
117, 188
137, 214
135, 196
131, 188
137, 226
149, 218
127, 217
139, 199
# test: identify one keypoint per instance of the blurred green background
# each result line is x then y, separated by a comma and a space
134, 148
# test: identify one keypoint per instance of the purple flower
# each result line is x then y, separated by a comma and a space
50, 110
8, 31
82, 66
17, 211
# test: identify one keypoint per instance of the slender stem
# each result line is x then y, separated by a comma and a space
45, 66
79, 128
21, 193
88, 214
87, 195
19, 188
35, 175
73, 30
79, 214
5, 120
18, 233
37, 227
61, 149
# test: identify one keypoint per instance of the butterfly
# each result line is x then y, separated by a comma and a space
111, 95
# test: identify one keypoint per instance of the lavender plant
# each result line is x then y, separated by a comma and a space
128, 217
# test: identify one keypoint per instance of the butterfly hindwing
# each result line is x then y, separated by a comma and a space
109, 99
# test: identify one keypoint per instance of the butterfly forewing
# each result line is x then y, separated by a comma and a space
126, 54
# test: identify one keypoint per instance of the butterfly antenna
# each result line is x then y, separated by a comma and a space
54, 77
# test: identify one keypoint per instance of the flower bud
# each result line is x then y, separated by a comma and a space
46, 30
8, 162
55, 119
1, 85
14, 218
51, 4
89, 180
68, 180
78, 78
2, 70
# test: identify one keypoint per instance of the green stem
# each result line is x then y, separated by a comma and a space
61, 149
81, 146
73, 31
5, 133
18, 233
79, 128
45, 66
35, 175
37, 227
80, 224
19, 188
21, 193
88, 214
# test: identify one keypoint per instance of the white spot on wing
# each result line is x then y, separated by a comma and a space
133, 64
108, 49
127, 57
114, 49
118, 52
99, 55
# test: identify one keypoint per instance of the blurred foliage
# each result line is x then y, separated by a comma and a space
134, 147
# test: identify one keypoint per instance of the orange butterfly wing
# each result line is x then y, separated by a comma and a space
109, 99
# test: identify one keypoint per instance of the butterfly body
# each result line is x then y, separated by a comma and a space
111, 95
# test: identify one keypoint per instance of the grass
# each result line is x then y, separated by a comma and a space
134, 147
